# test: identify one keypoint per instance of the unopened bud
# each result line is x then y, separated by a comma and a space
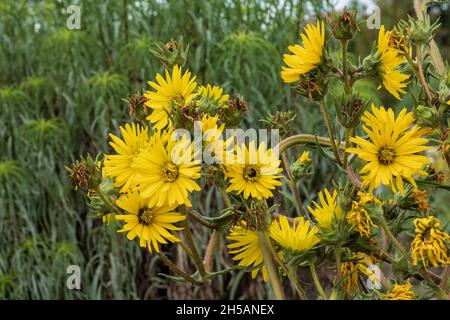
422, 30
235, 112
371, 64
171, 53
350, 109
302, 166
85, 173
344, 25
425, 116
280, 120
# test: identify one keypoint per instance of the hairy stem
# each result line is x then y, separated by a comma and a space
176, 270
293, 185
304, 139
327, 120
106, 200
421, 75
337, 253
195, 255
274, 276
210, 250
347, 87
312, 268
347, 145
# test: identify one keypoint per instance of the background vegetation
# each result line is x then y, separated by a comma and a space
62, 91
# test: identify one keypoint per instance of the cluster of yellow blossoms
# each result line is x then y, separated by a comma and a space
155, 172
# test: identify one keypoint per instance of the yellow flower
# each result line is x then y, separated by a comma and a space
401, 292
119, 166
247, 249
213, 141
298, 238
359, 217
390, 59
429, 244
351, 270
214, 94
255, 172
167, 172
304, 158
210, 128
392, 150
151, 225
306, 58
173, 92
328, 210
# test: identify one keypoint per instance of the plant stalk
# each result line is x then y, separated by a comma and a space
274, 276
176, 270
195, 255
312, 268
326, 118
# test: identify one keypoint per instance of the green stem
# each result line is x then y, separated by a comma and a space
312, 268
199, 218
421, 75
292, 275
326, 118
176, 270
270, 265
293, 185
347, 145
211, 249
393, 239
337, 252
304, 139
226, 198
347, 87
106, 200
195, 255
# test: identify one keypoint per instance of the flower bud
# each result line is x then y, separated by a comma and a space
302, 166
350, 109
171, 53
422, 30
425, 116
312, 86
85, 173
235, 112
280, 120
371, 64
344, 25
137, 107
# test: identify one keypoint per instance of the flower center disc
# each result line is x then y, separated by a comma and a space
169, 172
386, 155
251, 173
177, 100
146, 216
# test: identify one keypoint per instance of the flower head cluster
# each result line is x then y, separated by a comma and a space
151, 225
307, 57
298, 237
328, 211
350, 270
401, 292
430, 244
255, 172
391, 50
358, 215
392, 151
